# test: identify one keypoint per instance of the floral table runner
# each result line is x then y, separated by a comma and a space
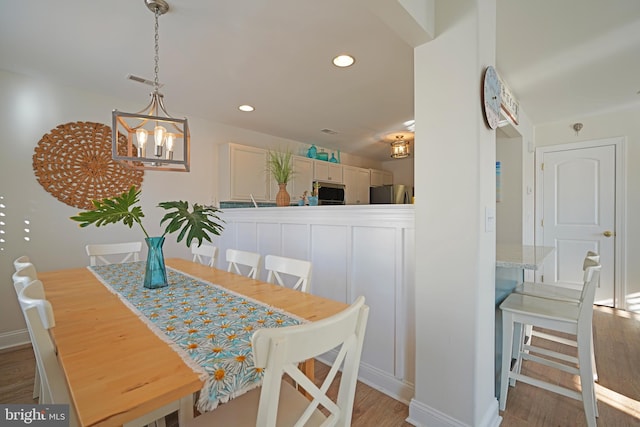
208, 325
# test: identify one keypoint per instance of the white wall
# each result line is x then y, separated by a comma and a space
509, 209
29, 109
455, 183
402, 170
620, 123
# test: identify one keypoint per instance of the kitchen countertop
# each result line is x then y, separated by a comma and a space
521, 256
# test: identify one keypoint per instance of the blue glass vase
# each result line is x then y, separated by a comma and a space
312, 152
155, 274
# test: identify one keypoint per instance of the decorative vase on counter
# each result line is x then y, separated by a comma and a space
313, 200
155, 274
312, 151
283, 198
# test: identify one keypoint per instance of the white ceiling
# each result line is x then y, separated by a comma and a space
562, 60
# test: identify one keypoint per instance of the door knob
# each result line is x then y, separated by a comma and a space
607, 233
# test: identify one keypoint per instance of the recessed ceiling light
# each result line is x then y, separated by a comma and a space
246, 108
343, 61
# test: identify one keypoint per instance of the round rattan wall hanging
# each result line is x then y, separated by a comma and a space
73, 162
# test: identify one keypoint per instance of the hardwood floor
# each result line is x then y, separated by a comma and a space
17, 373
617, 346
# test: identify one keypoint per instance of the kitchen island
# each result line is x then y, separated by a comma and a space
355, 250
512, 261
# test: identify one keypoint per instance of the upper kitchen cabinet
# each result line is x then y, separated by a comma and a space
327, 171
301, 181
380, 177
302, 177
356, 182
243, 173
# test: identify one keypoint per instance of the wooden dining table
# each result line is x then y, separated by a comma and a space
116, 367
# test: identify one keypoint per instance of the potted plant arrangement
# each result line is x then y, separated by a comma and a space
196, 224
280, 167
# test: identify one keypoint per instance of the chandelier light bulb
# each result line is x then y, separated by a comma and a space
158, 134
170, 138
141, 135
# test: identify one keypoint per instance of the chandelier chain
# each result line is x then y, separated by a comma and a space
156, 58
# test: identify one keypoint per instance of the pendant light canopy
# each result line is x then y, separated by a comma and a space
154, 139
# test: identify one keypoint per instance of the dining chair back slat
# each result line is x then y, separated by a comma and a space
297, 269
239, 260
204, 254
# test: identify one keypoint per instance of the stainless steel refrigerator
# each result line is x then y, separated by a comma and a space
390, 194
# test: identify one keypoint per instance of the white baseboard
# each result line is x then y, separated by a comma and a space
424, 415
378, 379
14, 339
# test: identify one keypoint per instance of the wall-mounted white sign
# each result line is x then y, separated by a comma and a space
508, 102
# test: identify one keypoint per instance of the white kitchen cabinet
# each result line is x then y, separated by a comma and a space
243, 173
380, 177
327, 171
302, 179
356, 182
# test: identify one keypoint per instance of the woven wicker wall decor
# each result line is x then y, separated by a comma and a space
73, 163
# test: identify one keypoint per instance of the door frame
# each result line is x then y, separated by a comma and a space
620, 256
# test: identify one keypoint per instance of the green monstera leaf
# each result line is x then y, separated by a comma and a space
196, 224
113, 210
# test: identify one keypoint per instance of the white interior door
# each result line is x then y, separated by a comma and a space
579, 214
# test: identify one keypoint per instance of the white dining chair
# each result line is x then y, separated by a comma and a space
561, 293
39, 316
243, 260
282, 270
23, 276
278, 351
561, 316
204, 254
110, 253
20, 262
26, 273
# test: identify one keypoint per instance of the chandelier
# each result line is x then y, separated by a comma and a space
400, 148
154, 139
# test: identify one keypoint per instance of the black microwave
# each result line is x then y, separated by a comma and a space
329, 193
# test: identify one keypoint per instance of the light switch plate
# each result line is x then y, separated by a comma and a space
489, 219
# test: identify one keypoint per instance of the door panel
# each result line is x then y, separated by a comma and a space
579, 207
